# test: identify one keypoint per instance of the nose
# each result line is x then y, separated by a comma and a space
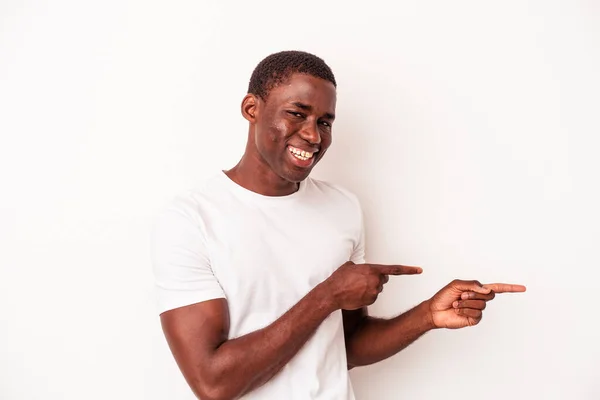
310, 133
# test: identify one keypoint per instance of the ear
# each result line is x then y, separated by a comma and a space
250, 107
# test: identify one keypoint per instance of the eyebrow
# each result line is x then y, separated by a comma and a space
306, 107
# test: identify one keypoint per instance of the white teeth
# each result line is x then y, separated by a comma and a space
300, 154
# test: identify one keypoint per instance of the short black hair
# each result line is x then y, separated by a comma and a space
278, 67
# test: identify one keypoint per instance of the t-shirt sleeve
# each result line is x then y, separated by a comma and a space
358, 253
181, 264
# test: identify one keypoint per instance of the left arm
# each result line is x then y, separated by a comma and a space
370, 340
457, 305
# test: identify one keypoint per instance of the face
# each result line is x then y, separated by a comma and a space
292, 127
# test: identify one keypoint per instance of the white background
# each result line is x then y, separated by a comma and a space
468, 129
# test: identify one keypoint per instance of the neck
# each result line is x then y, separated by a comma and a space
254, 174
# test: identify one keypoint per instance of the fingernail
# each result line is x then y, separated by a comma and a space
464, 296
455, 304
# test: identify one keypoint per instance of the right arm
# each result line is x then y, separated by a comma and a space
195, 315
218, 368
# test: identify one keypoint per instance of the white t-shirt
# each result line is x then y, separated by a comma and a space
263, 254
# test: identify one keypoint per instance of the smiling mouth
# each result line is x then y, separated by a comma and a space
300, 154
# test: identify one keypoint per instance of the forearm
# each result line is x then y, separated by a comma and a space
377, 339
253, 359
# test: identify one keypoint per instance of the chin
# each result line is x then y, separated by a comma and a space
295, 176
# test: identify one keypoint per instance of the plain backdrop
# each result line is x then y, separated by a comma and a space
468, 129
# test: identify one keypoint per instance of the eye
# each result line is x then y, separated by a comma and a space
326, 124
296, 114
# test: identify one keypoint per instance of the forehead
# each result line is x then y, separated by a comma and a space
306, 89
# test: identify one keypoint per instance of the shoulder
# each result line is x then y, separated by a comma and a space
335, 192
188, 204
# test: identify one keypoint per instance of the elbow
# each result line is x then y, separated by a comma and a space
352, 359
356, 359
212, 393
214, 390
205, 393
352, 363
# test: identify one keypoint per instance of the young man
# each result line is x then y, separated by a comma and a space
261, 276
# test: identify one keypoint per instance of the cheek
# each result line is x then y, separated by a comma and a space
326, 139
268, 141
278, 131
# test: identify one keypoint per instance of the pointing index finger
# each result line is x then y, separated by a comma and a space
505, 287
397, 269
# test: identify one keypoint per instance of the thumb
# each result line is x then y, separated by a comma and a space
396, 269
472, 286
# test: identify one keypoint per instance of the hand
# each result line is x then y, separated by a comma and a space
353, 286
461, 303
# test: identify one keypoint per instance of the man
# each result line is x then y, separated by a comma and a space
261, 276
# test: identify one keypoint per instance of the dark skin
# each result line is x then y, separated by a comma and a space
300, 113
